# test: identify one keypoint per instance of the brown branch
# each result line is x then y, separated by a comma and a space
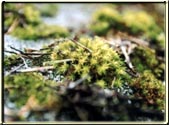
12, 27
133, 39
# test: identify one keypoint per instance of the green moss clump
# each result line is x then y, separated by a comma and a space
144, 58
28, 23
41, 31
25, 85
11, 60
133, 22
149, 88
104, 19
25, 13
48, 10
99, 61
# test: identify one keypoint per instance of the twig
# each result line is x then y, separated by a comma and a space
10, 52
21, 52
12, 27
133, 39
24, 61
57, 61
74, 84
127, 58
81, 45
36, 53
41, 69
14, 70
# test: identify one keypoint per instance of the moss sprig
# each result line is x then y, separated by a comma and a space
102, 63
150, 89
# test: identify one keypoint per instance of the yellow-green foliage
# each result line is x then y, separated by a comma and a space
11, 60
48, 10
133, 22
29, 23
22, 86
149, 88
40, 31
28, 13
31, 14
144, 58
102, 64
104, 19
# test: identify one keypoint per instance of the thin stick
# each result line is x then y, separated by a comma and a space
41, 69
10, 52
127, 58
81, 45
12, 27
14, 70
16, 50
57, 61
74, 84
24, 61
133, 39
36, 53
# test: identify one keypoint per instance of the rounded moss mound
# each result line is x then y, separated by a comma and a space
138, 23
91, 57
150, 89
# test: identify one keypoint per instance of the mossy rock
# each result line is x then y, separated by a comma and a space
137, 23
24, 85
144, 58
91, 57
28, 23
150, 89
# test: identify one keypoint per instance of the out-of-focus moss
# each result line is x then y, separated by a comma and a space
133, 22
149, 88
22, 86
47, 10
40, 31
25, 13
11, 60
102, 64
29, 24
31, 14
144, 58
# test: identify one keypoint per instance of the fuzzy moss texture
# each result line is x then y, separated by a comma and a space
150, 89
100, 62
133, 22
23, 86
29, 25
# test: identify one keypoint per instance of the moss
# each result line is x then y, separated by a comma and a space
101, 63
11, 60
26, 13
133, 22
25, 85
29, 24
149, 88
48, 10
40, 31
144, 58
